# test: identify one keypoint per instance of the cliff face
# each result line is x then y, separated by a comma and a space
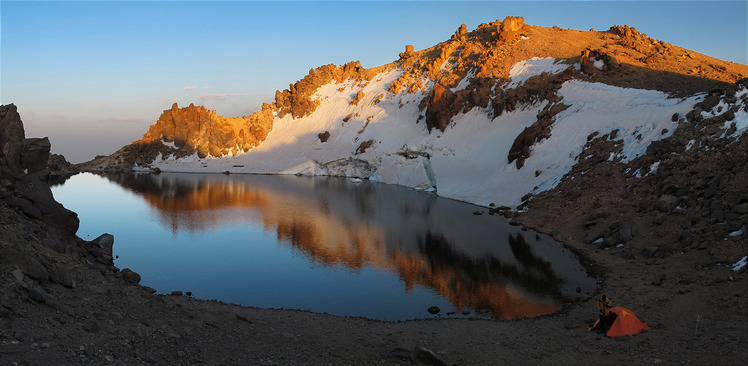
196, 129
24, 174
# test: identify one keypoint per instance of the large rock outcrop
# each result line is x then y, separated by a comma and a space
24, 174
197, 129
297, 100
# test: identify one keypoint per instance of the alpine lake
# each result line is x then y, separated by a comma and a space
327, 245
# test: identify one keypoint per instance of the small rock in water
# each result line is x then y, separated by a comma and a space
434, 310
176, 293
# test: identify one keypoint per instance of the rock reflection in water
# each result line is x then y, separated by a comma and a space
475, 262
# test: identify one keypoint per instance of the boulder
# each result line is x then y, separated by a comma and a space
649, 252
424, 355
741, 208
408, 52
130, 276
594, 235
105, 244
63, 275
512, 24
460, 32
667, 203
626, 231
37, 294
30, 266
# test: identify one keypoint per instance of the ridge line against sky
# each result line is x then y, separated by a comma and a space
94, 75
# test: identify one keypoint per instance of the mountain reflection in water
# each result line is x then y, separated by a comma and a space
476, 262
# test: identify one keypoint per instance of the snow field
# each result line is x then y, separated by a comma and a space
467, 162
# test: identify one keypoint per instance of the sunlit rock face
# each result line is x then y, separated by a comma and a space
482, 263
486, 111
196, 129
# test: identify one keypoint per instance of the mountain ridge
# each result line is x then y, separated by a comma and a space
505, 76
482, 51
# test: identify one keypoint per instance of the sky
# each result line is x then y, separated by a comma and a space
93, 75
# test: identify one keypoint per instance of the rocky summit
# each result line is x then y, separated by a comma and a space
629, 150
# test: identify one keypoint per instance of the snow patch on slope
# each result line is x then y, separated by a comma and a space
523, 70
468, 162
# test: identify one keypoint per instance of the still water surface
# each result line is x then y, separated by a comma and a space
323, 244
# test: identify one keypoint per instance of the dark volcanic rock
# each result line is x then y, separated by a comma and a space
649, 252
102, 247
12, 136
424, 355
35, 154
63, 275
594, 235
667, 203
24, 162
30, 266
37, 294
130, 276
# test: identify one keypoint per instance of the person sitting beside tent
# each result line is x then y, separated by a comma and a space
616, 321
605, 318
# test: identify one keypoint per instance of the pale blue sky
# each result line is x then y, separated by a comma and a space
94, 75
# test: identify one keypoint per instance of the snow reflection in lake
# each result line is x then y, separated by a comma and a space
323, 244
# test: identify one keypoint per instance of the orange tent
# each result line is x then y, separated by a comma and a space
626, 323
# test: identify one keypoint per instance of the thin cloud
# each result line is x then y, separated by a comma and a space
191, 87
121, 120
222, 96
